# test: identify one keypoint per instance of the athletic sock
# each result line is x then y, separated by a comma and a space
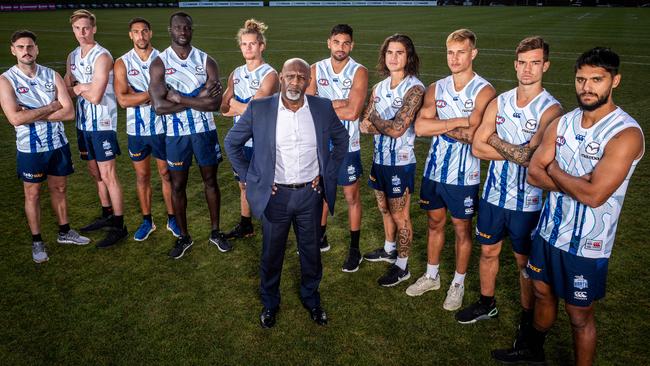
487, 300
402, 262
147, 218
432, 270
246, 221
107, 211
527, 316
118, 221
459, 278
36, 238
389, 246
354, 239
63, 229
171, 216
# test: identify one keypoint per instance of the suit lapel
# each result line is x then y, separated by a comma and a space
317, 127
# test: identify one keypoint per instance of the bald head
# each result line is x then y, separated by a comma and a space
295, 63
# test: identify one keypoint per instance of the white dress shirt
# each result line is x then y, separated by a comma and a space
296, 152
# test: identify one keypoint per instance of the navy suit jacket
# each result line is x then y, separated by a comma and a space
259, 121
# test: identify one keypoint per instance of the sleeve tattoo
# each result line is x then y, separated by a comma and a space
515, 153
404, 117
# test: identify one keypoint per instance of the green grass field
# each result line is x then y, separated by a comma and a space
133, 305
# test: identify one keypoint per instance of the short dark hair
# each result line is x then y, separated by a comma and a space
599, 57
412, 60
139, 20
341, 29
533, 43
23, 33
180, 14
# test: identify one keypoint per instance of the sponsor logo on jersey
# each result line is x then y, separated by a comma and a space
516, 115
184, 65
347, 83
199, 70
170, 70
134, 72
73, 67
89, 70
580, 282
376, 100
441, 103
22, 89
474, 176
500, 119
469, 105
530, 126
580, 295
580, 137
560, 140
397, 103
532, 201
591, 149
49, 87
255, 83
323, 82
235, 81
596, 245
533, 268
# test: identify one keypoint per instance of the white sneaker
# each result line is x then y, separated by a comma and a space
39, 254
423, 284
454, 298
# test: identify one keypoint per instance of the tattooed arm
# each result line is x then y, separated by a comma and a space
412, 102
366, 126
466, 134
521, 154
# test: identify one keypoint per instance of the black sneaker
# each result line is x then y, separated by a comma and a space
219, 239
379, 255
352, 261
324, 245
113, 236
100, 222
513, 356
477, 311
183, 244
240, 231
393, 276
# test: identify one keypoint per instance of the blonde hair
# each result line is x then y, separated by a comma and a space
462, 35
83, 13
253, 26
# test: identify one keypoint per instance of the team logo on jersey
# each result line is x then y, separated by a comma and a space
469, 104
500, 119
170, 70
89, 70
235, 81
255, 83
560, 140
397, 103
323, 82
199, 70
49, 87
580, 282
347, 83
441, 103
134, 72
376, 99
592, 148
22, 89
596, 245
73, 67
516, 115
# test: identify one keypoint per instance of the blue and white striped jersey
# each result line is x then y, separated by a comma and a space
337, 86
246, 83
506, 184
566, 223
93, 117
187, 77
141, 120
450, 161
32, 93
394, 151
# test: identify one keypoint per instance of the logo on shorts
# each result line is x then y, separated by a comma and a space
500, 120
134, 155
323, 82
49, 87
441, 103
580, 282
108, 151
32, 175
397, 103
483, 235
596, 245
580, 295
423, 202
395, 180
347, 83
533, 268
170, 70
560, 140
351, 169
469, 205
372, 178
134, 72
174, 163
22, 89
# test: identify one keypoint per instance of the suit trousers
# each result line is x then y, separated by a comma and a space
302, 208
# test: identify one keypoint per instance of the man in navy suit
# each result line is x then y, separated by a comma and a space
291, 168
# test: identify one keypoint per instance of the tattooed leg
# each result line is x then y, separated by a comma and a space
389, 224
399, 210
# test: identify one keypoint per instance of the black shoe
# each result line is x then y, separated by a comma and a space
352, 261
324, 245
267, 318
219, 239
318, 315
393, 276
113, 236
100, 222
514, 356
477, 311
240, 231
183, 244
380, 255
